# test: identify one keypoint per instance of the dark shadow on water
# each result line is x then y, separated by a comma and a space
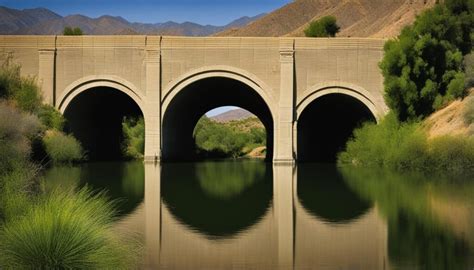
323, 193
217, 199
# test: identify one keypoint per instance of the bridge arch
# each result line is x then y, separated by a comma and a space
193, 94
326, 116
110, 81
95, 108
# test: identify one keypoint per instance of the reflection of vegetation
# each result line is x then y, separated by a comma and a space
231, 139
62, 177
133, 180
211, 213
124, 181
133, 145
416, 235
395, 145
228, 179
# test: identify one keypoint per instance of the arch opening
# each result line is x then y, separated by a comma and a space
195, 100
95, 118
326, 124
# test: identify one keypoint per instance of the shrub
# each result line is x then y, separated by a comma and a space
423, 67
16, 131
65, 230
454, 154
51, 118
62, 148
134, 137
69, 31
400, 146
469, 70
469, 110
324, 27
22, 90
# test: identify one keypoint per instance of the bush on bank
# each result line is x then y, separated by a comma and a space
395, 145
62, 148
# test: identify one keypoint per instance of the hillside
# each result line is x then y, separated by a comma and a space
450, 120
232, 115
357, 18
41, 21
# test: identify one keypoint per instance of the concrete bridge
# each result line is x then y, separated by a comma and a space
309, 93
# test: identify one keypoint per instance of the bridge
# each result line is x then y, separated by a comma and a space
309, 93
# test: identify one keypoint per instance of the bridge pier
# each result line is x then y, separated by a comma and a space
152, 114
284, 137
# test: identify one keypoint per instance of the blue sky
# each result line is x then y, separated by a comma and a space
216, 12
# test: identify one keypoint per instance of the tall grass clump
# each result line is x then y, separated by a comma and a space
62, 148
134, 137
65, 230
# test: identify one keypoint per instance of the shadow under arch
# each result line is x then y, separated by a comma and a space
322, 191
193, 95
326, 119
217, 199
94, 113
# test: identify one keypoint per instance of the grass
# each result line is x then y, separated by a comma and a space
65, 230
62, 148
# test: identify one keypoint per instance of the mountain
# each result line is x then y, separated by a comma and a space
357, 18
232, 115
42, 21
12, 20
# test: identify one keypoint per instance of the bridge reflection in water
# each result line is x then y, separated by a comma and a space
284, 230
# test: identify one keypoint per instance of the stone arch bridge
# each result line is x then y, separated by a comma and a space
308, 92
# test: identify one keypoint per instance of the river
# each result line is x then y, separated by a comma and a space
252, 215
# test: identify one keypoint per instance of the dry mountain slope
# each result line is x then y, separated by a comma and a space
357, 18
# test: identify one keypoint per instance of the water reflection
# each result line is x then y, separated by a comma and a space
426, 217
123, 181
217, 199
252, 215
323, 192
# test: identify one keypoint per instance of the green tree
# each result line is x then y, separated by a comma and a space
423, 67
69, 31
324, 27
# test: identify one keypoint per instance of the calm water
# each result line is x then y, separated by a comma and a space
252, 215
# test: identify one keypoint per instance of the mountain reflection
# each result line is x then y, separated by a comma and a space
217, 199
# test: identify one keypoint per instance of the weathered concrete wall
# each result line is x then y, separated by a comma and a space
289, 73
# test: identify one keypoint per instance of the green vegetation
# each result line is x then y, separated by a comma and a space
324, 27
69, 31
420, 231
64, 230
51, 118
469, 70
469, 113
231, 139
61, 229
62, 148
395, 145
23, 92
134, 137
423, 67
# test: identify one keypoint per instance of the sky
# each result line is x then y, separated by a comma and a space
215, 12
